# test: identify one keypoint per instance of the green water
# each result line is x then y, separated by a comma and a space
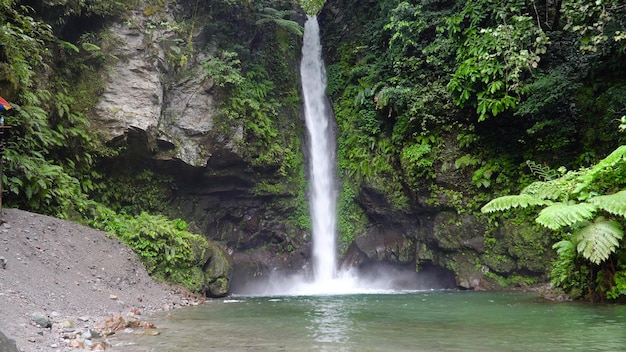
418, 321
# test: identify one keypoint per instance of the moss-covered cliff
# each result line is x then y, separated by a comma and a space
441, 105
192, 110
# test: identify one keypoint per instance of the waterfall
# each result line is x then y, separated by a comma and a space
328, 279
321, 154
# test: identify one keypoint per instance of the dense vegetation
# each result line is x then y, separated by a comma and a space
439, 103
487, 88
53, 57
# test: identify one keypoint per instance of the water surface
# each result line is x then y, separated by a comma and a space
416, 321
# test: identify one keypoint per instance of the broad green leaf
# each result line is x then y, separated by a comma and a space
613, 203
512, 201
597, 241
545, 190
562, 247
559, 215
610, 161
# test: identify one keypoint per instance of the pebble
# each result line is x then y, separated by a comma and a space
150, 332
66, 324
55, 314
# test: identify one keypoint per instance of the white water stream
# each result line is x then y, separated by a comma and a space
323, 190
327, 279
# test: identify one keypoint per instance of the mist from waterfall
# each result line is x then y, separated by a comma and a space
327, 278
323, 189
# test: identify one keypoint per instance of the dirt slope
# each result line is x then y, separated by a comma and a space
73, 275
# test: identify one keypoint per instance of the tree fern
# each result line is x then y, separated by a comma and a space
552, 190
598, 240
559, 215
610, 161
512, 201
276, 16
612, 203
593, 242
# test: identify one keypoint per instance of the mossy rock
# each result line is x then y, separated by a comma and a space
219, 287
456, 232
529, 244
217, 271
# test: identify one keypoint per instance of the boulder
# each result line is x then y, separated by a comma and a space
217, 270
386, 244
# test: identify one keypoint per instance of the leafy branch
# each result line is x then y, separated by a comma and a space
573, 202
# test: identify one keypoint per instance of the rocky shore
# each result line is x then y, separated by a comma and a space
67, 287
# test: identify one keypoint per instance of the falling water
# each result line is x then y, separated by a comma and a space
328, 279
321, 153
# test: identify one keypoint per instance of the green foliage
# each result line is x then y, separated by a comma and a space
258, 101
613, 160
50, 151
579, 202
496, 45
165, 247
312, 7
271, 15
596, 241
405, 23
351, 220
617, 288
416, 160
511, 201
144, 191
559, 215
567, 271
599, 23
612, 203
224, 68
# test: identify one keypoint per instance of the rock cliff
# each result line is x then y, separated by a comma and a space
238, 167
170, 114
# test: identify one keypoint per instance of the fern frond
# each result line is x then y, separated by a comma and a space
545, 190
613, 203
276, 16
542, 171
611, 160
270, 11
559, 215
598, 240
616, 156
563, 248
512, 201
291, 26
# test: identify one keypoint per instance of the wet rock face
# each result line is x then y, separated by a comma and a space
143, 95
6, 344
384, 244
218, 270
134, 92
425, 237
456, 233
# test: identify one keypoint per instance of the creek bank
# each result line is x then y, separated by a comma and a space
66, 286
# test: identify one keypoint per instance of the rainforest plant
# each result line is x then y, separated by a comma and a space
589, 207
166, 248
